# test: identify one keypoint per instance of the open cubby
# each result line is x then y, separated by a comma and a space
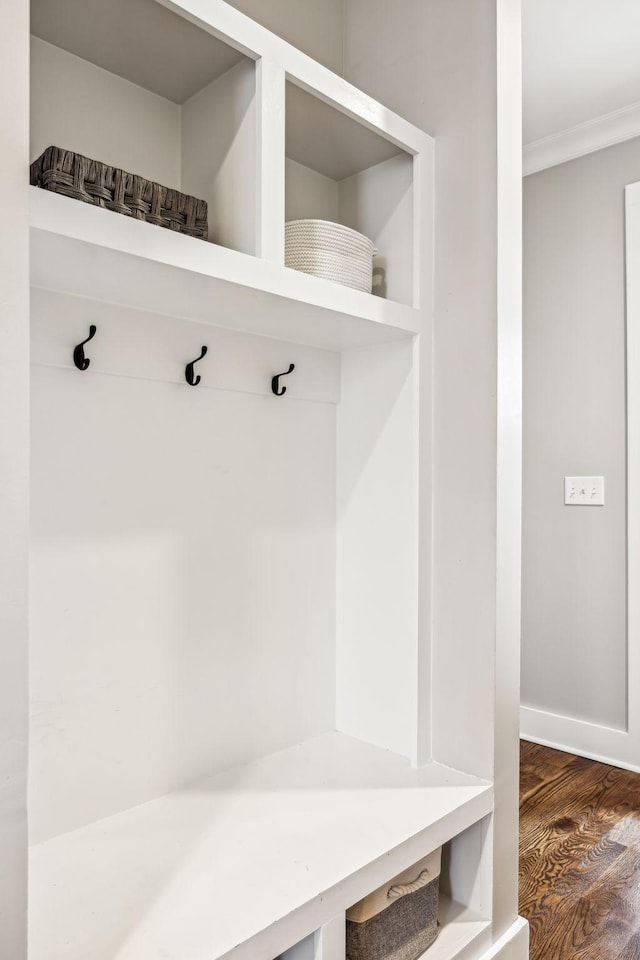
138, 87
303, 950
211, 608
464, 904
340, 170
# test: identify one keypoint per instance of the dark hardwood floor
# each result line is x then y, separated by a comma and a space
579, 857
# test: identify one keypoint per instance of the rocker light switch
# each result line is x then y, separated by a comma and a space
584, 491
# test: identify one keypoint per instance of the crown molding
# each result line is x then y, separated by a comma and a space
604, 131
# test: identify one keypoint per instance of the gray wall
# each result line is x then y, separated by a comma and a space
574, 559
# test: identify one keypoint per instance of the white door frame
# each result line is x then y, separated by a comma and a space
632, 221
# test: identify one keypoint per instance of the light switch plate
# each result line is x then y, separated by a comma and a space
584, 491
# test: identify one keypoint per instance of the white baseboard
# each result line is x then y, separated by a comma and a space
512, 945
592, 740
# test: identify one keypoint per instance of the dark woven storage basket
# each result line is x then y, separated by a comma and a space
63, 171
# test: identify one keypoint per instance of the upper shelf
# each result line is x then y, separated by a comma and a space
93, 253
247, 863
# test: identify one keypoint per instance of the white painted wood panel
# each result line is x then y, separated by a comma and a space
183, 582
78, 106
463, 932
423, 387
379, 203
310, 195
465, 884
330, 939
305, 950
270, 95
153, 347
511, 944
632, 202
218, 136
377, 627
508, 520
246, 864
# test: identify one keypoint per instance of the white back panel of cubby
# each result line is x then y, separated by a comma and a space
218, 160
379, 203
183, 556
78, 106
309, 194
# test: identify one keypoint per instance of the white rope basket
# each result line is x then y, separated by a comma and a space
330, 251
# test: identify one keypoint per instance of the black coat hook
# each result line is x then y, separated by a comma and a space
275, 381
189, 374
79, 358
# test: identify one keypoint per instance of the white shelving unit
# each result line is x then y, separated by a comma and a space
92, 253
231, 593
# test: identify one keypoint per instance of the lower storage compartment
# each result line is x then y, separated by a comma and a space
398, 921
305, 950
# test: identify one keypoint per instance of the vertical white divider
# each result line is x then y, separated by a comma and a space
385, 523
377, 548
506, 760
423, 267
474, 887
330, 940
270, 140
423, 186
630, 751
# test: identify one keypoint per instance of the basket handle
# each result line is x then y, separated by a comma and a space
402, 889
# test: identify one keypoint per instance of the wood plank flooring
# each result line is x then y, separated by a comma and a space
579, 857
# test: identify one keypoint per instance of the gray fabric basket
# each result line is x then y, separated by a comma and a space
399, 921
63, 171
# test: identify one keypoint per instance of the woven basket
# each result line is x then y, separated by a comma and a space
331, 251
63, 171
